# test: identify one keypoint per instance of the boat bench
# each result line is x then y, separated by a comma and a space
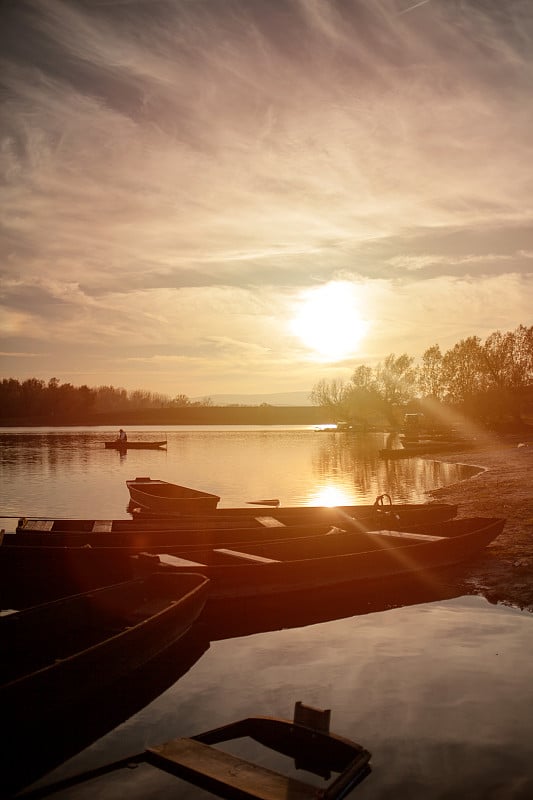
102, 526
270, 522
215, 769
176, 561
38, 525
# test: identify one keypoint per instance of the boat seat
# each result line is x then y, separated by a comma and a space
39, 525
246, 556
270, 522
102, 526
176, 561
423, 537
212, 768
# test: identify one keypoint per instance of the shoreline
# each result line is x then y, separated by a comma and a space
504, 574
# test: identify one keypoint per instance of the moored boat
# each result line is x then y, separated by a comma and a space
135, 541
323, 561
382, 507
156, 495
197, 530
57, 652
247, 568
73, 669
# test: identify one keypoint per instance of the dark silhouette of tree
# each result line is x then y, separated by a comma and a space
489, 381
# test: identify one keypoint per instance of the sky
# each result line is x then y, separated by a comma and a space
243, 196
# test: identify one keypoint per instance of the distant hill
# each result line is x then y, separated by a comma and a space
275, 399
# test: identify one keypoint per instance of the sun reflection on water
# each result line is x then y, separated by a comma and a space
330, 496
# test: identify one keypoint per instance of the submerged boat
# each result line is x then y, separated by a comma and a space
323, 561
60, 652
306, 739
156, 495
119, 444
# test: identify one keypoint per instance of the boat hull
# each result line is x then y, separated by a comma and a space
62, 651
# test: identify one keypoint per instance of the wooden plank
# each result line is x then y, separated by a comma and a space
214, 770
39, 525
176, 561
270, 522
423, 537
246, 556
103, 526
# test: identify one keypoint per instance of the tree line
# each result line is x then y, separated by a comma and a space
63, 401
488, 381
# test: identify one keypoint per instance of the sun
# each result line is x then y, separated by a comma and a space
328, 321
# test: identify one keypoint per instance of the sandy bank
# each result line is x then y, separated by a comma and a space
502, 489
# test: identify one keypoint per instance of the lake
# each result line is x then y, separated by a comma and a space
437, 686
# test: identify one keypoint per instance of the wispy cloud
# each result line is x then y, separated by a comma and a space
170, 168
412, 8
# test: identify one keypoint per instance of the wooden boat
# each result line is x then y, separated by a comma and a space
58, 652
324, 561
306, 739
382, 507
118, 444
210, 531
163, 496
32, 574
135, 541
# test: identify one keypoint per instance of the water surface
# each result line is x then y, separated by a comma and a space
437, 686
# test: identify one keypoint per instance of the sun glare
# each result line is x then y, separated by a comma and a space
330, 496
328, 321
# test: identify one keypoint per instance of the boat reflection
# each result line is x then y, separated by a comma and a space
245, 616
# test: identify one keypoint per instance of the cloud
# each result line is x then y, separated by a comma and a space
171, 168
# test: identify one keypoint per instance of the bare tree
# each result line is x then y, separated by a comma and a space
430, 380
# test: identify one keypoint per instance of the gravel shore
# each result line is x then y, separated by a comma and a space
503, 488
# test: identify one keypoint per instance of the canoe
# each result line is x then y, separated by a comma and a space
159, 495
306, 739
57, 653
324, 561
117, 444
